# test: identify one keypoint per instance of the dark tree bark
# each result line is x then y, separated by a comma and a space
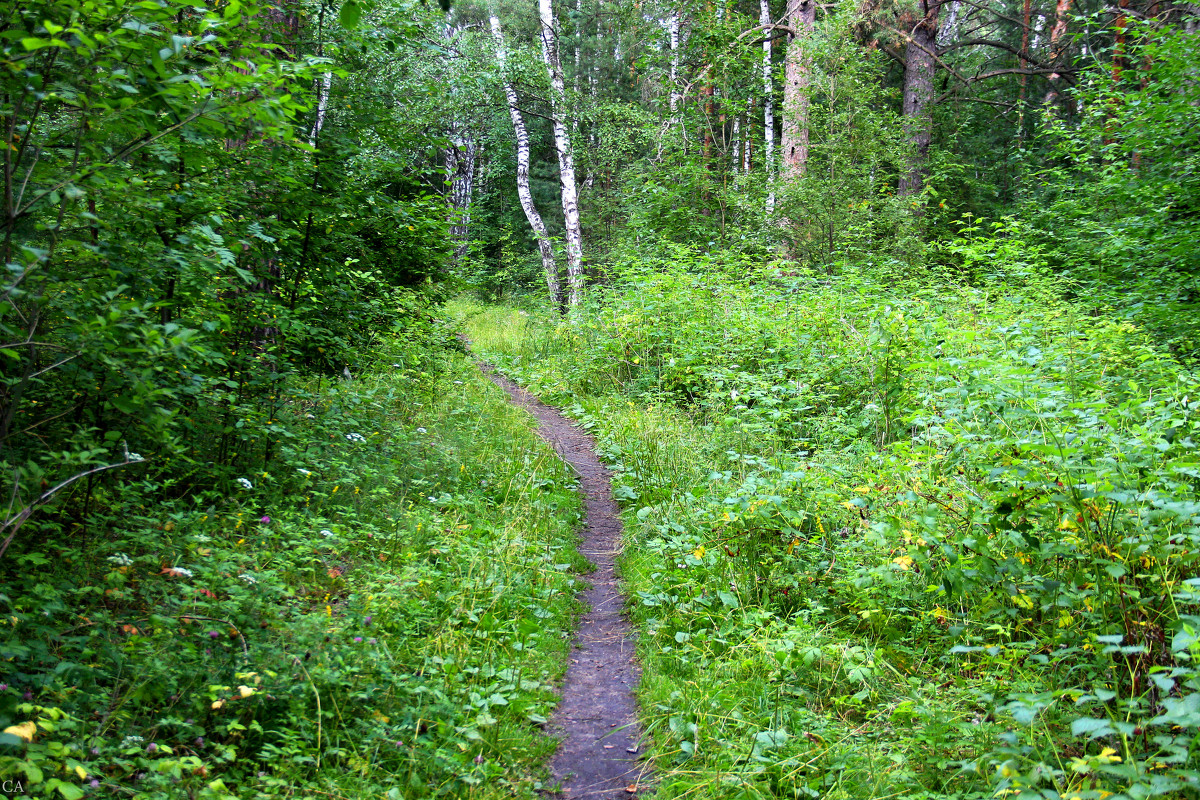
920, 61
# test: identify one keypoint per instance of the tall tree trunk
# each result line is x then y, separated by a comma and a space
549, 267
1062, 12
747, 147
566, 158
322, 106
673, 30
764, 18
1026, 25
461, 161
801, 17
920, 60
735, 140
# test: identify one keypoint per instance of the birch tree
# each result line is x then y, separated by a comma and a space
764, 19
566, 158
549, 266
673, 33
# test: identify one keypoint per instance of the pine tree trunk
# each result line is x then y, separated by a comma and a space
566, 158
801, 17
919, 64
549, 267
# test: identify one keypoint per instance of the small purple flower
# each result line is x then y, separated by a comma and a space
367, 621
371, 641
95, 751
151, 748
265, 520
27, 696
95, 784
399, 743
214, 635
358, 638
3, 687
199, 741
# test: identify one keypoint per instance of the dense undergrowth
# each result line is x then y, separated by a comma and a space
889, 539
380, 613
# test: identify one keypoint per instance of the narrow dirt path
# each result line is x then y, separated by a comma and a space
597, 719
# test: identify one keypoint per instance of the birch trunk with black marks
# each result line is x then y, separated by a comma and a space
462, 157
673, 31
920, 61
801, 18
764, 18
566, 158
549, 267
322, 105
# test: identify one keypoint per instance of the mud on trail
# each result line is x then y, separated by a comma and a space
598, 756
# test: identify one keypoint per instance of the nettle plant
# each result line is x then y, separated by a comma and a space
1051, 527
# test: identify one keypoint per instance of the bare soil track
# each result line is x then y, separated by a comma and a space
597, 719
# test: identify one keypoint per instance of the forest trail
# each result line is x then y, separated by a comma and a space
597, 718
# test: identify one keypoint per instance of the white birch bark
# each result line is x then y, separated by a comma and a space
461, 161
747, 147
673, 30
736, 138
566, 158
764, 18
322, 105
549, 266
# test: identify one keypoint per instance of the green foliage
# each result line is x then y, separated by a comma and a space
377, 615
981, 489
1116, 196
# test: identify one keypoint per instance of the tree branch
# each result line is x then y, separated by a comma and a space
17, 520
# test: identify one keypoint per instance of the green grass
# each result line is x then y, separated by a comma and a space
919, 542
386, 615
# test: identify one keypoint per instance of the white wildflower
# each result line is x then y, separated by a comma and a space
131, 741
121, 560
355, 437
248, 578
305, 472
422, 430
245, 482
326, 533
